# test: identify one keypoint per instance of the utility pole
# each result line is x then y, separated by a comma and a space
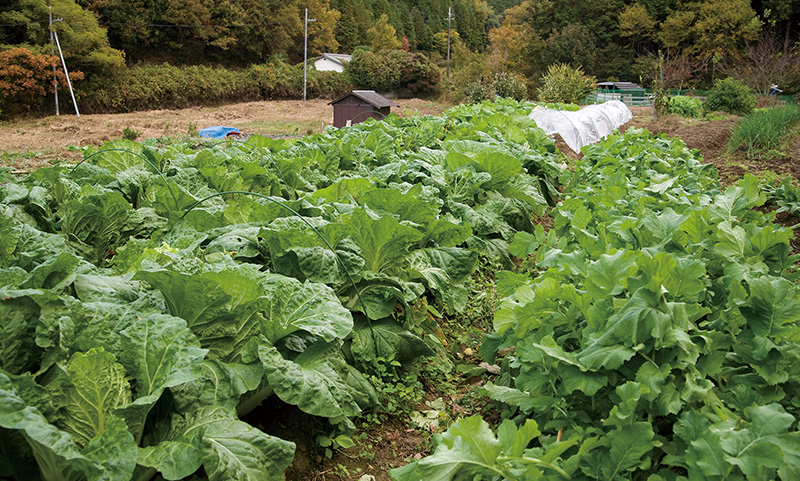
305, 53
53, 53
449, 19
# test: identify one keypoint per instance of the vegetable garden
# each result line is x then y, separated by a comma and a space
153, 295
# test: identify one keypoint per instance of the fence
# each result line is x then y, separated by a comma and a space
644, 97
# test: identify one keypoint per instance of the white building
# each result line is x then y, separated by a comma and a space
331, 61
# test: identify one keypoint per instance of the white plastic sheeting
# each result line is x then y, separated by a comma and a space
585, 126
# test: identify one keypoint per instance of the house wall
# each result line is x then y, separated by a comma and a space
324, 64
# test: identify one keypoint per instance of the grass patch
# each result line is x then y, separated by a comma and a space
763, 130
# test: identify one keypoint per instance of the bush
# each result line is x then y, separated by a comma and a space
26, 80
145, 87
476, 92
685, 107
503, 84
508, 85
563, 83
732, 96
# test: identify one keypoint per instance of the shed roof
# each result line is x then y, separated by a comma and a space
339, 58
370, 96
619, 85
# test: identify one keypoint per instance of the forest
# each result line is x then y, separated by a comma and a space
684, 44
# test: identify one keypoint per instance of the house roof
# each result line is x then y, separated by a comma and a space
339, 58
619, 85
370, 96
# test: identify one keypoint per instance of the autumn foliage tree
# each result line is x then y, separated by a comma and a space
27, 78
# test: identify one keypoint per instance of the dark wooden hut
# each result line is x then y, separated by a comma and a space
358, 106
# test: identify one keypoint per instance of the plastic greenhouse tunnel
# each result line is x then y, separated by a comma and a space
585, 126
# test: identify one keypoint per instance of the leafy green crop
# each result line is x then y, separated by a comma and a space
151, 296
656, 331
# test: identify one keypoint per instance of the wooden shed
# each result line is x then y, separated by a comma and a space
358, 106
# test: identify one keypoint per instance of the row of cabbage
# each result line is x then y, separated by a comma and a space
652, 334
149, 296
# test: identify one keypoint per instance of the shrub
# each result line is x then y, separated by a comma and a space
563, 83
165, 86
26, 79
509, 86
477, 91
732, 96
503, 84
685, 106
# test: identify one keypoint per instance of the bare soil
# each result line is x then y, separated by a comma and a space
28, 144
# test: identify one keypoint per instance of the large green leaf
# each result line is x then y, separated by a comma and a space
55, 274
468, 447
389, 340
290, 305
608, 275
227, 448
444, 270
117, 161
89, 391
198, 300
383, 242
97, 220
19, 313
235, 450
315, 381
406, 206
160, 352
469, 450
629, 447
773, 307
759, 449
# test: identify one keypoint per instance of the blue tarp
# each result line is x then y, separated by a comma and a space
218, 132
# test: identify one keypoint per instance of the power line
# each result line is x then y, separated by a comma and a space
260, 24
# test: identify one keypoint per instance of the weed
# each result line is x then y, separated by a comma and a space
192, 130
334, 442
398, 392
130, 134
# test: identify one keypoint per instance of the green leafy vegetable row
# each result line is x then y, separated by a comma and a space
151, 295
651, 334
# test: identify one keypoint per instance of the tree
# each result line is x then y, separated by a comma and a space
782, 16
724, 26
26, 78
676, 30
764, 62
720, 27
507, 50
637, 23
573, 45
440, 42
382, 36
350, 31
84, 42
